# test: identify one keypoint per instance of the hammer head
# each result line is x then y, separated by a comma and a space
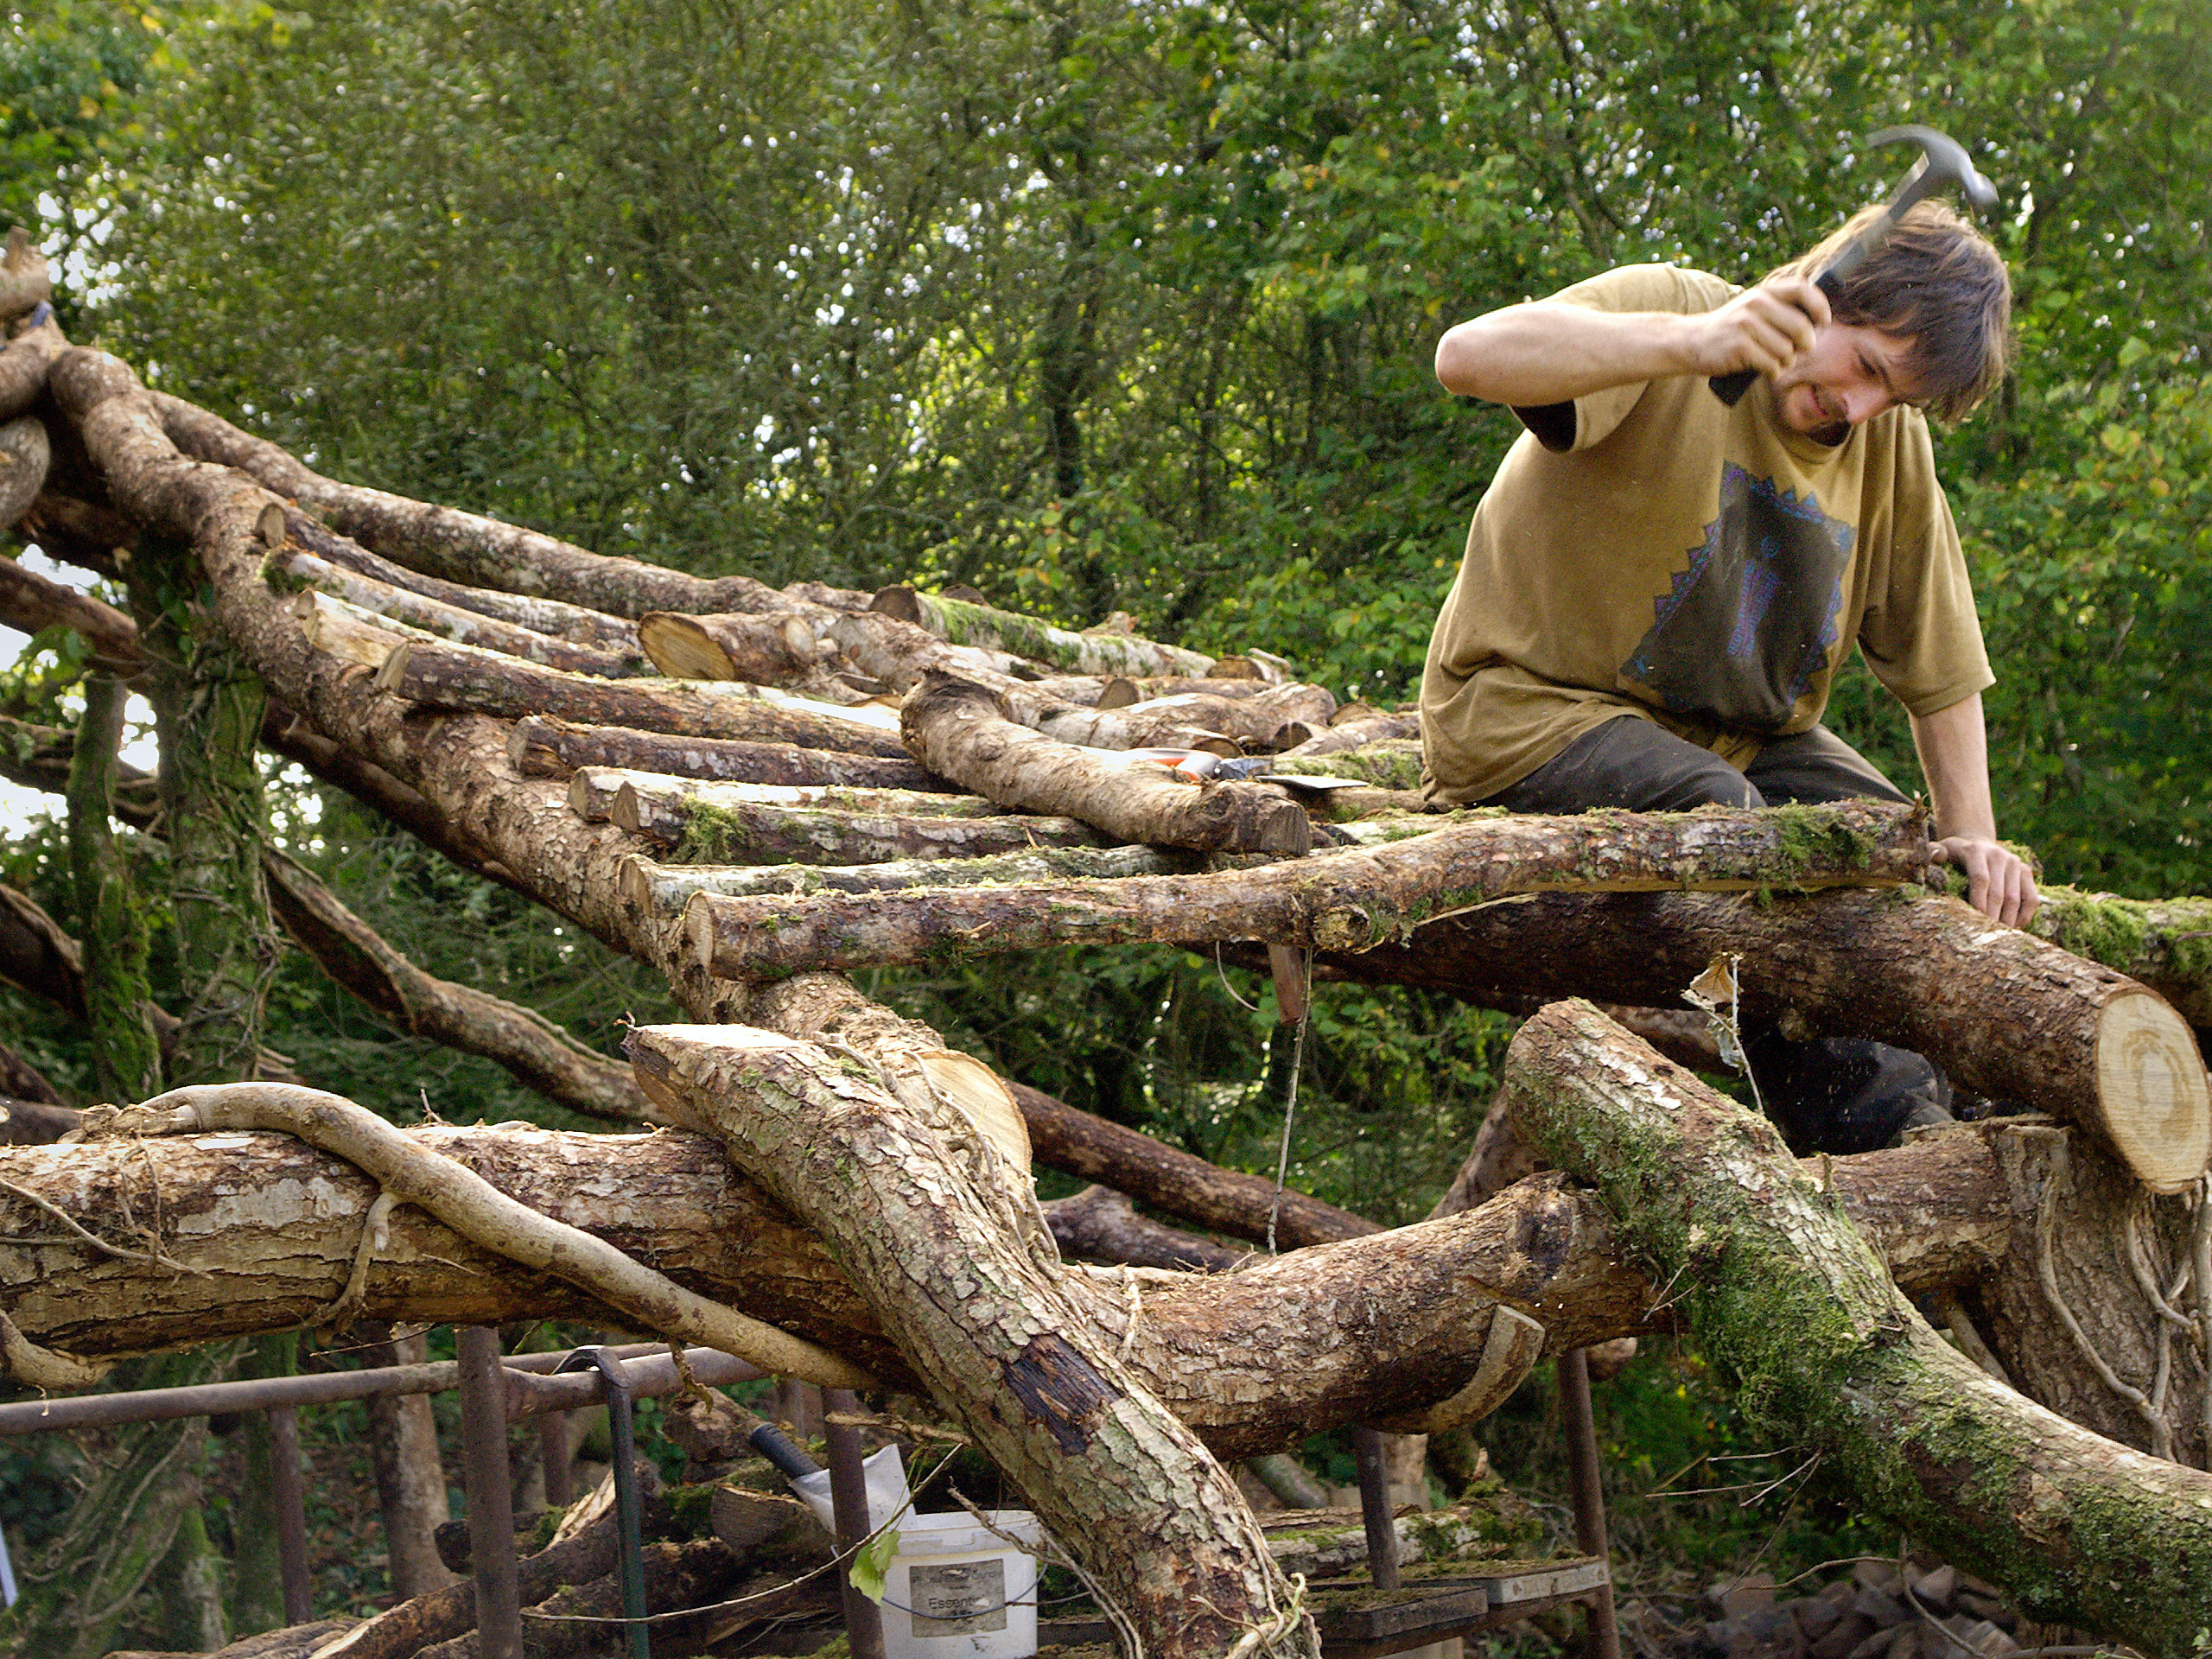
1943, 160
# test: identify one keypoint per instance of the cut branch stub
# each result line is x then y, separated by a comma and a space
1345, 899
1784, 1290
1119, 1480
963, 731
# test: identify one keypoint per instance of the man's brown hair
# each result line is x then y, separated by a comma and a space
1937, 282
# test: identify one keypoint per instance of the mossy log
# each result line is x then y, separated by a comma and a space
921, 1224
661, 889
448, 621
2164, 943
2004, 1014
964, 731
1785, 1293
541, 747
1339, 899
966, 624
715, 831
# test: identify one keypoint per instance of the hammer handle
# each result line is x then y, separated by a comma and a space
1729, 388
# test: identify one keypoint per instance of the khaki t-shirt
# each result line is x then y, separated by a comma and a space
1692, 564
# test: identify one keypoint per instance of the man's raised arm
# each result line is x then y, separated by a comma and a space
1552, 351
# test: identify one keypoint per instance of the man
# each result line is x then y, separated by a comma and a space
1658, 589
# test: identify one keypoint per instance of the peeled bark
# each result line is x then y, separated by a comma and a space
30, 602
2004, 1014
532, 1048
1022, 636
962, 731
1124, 1485
554, 748
1787, 1294
1340, 899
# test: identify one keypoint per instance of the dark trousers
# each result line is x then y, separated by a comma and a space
1835, 1093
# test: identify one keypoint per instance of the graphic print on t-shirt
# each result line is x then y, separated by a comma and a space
1741, 633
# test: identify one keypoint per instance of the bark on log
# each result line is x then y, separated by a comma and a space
38, 757
84, 533
898, 654
554, 748
467, 628
453, 676
2004, 1014
1360, 734
1784, 1292
1224, 726
267, 1232
531, 1048
409, 1476
37, 956
1126, 1487
476, 552
661, 889
1220, 1200
574, 623
1022, 636
716, 830
24, 279
24, 1083
1099, 1225
962, 731
24, 366
1343, 900
35, 1120
29, 602
24, 457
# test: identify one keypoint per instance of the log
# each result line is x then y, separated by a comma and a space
1392, 765
1338, 900
24, 1084
550, 617
24, 279
1220, 1200
897, 653
472, 551
963, 731
1787, 1294
465, 627
24, 457
966, 624
454, 676
764, 650
715, 822
529, 1046
24, 366
661, 889
1106, 692
2161, 942
2004, 1014
1226, 725
30, 602
1125, 1486
266, 1231
554, 748
1359, 734
1099, 1225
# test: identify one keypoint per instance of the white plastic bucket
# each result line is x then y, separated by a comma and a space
957, 1590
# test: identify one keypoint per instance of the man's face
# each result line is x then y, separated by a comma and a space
1851, 373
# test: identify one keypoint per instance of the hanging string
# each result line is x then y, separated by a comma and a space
1290, 1100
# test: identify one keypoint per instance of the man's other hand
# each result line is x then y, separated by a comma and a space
1767, 328
1999, 883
